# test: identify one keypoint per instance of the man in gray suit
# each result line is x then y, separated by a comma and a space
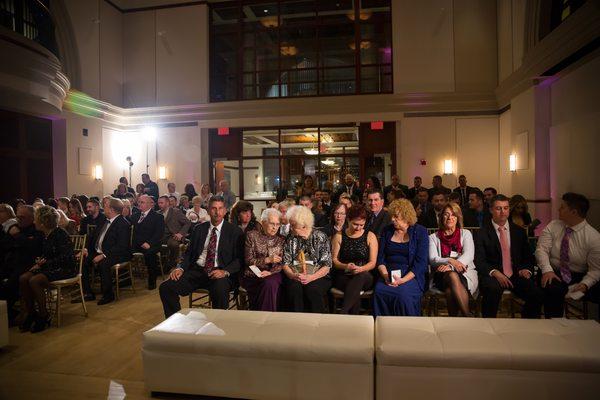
176, 228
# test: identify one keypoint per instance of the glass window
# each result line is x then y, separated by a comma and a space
263, 49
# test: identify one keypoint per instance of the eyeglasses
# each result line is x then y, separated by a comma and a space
339, 214
447, 215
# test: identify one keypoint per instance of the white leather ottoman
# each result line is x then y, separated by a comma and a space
475, 358
261, 355
3, 324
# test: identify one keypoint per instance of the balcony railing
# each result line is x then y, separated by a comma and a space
30, 18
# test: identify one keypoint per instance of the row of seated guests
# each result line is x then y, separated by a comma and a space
498, 258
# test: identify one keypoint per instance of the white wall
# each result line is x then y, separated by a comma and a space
471, 142
166, 56
574, 134
98, 33
511, 36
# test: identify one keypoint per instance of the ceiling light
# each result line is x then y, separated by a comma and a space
312, 151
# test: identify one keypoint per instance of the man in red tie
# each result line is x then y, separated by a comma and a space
212, 261
505, 262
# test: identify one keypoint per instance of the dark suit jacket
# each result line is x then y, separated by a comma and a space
444, 189
429, 219
88, 220
412, 192
470, 217
149, 231
381, 221
176, 222
342, 189
488, 254
464, 201
116, 244
151, 189
389, 188
229, 252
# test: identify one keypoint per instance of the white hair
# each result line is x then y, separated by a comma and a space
268, 212
302, 215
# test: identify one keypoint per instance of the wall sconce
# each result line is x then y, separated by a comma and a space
512, 163
162, 172
98, 172
447, 167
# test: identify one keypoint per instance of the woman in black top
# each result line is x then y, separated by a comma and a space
57, 262
354, 252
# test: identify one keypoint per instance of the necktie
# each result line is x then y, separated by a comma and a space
565, 272
141, 218
101, 237
506, 262
464, 196
211, 252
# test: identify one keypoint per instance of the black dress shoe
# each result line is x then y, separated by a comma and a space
89, 297
40, 324
103, 300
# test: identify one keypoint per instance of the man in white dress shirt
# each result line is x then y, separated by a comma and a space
568, 254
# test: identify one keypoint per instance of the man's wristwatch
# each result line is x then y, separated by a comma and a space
227, 273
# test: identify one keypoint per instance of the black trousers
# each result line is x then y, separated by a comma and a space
351, 285
191, 280
151, 261
526, 289
554, 295
306, 298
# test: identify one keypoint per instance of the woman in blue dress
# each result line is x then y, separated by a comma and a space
402, 263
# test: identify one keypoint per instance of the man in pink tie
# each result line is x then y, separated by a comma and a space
505, 262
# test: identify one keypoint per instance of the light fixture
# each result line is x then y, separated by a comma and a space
287, 49
270, 22
364, 45
98, 172
512, 163
149, 133
162, 172
363, 15
447, 167
313, 151
328, 162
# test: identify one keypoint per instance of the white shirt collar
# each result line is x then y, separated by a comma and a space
218, 226
111, 220
496, 226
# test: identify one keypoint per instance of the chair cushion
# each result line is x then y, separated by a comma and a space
542, 345
268, 335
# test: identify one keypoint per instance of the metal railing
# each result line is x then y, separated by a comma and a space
30, 18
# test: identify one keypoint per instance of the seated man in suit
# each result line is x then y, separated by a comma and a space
431, 218
396, 185
463, 190
437, 186
568, 253
478, 213
488, 194
109, 245
350, 186
211, 261
504, 261
378, 218
148, 229
176, 228
422, 198
412, 192
94, 218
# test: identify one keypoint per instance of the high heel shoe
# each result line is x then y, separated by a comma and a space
40, 324
25, 326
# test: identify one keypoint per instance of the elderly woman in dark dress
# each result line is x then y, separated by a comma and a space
264, 249
57, 262
306, 288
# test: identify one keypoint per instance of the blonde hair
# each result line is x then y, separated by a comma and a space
197, 200
48, 216
302, 215
403, 209
455, 208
